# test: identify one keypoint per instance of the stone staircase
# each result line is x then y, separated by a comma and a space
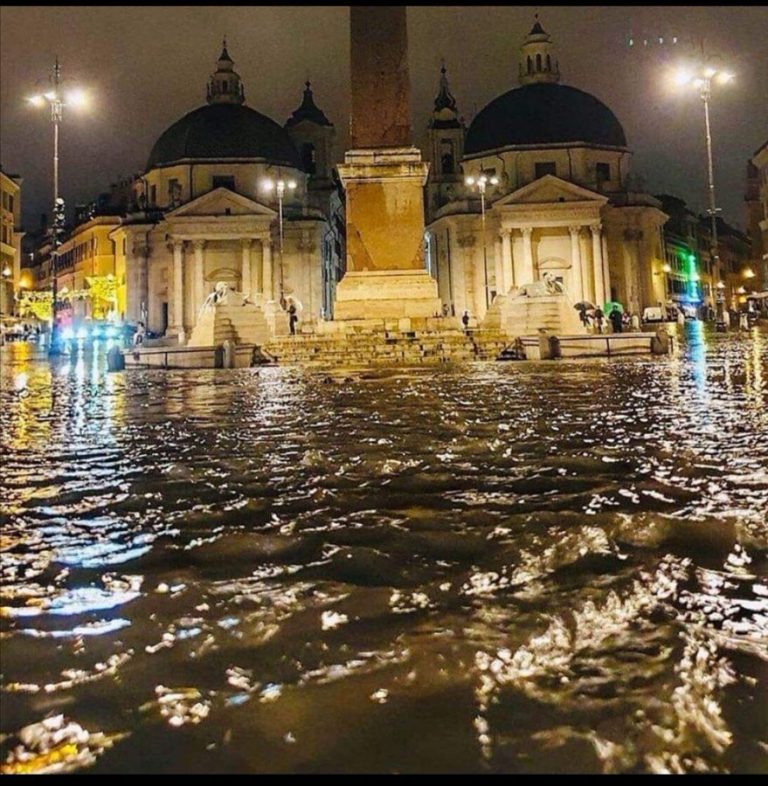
526, 316
244, 324
387, 348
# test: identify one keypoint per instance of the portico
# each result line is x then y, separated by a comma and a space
542, 228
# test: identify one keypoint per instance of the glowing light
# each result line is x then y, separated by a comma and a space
749, 273
698, 82
291, 184
77, 97
724, 77
666, 267
470, 181
682, 76
267, 185
36, 100
51, 96
709, 72
494, 181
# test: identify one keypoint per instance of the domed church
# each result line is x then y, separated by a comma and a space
558, 195
208, 211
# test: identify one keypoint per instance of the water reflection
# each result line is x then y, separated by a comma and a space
555, 566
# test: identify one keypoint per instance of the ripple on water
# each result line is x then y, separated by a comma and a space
515, 567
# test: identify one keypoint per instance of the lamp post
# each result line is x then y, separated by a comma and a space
702, 79
280, 186
55, 98
6, 300
720, 319
481, 183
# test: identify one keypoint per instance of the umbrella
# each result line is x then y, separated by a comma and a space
585, 305
296, 302
610, 306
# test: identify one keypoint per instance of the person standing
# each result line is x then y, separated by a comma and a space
292, 318
138, 337
465, 320
599, 317
616, 320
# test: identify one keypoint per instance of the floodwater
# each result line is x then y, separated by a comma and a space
510, 567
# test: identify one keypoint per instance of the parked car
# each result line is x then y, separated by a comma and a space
654, 314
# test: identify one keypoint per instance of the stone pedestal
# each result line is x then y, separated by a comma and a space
240, 324
522, 315
385, 276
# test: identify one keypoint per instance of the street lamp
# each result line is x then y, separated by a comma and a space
6, 275
720, 319
57, 99
481, 183
702, 79
280, 185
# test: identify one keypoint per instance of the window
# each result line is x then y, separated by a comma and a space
224, 181
174, 191
545, 168
530, 64
5, 200
538, 62
10, 202
153, 195
549, 63
446, 157
602, 172
224, 86
308, 162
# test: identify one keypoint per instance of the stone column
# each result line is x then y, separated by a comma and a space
246, 284
198, 280
506, 260
578, 286
527, 270
266, 270
606, 268
498, 268
597, 264
178, 284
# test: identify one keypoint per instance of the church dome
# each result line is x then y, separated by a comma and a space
224, 130
542, 114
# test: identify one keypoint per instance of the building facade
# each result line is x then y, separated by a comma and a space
11, 236
757, 213
207, 209
559, 197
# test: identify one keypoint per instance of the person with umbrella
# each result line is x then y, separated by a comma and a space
616, 320
584, 308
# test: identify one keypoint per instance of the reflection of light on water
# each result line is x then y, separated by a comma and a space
697, 354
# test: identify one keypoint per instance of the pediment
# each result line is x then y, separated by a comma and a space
221, 202
550, 190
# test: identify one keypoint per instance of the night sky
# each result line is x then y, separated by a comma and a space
145, 67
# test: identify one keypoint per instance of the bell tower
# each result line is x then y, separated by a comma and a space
446, 147
224, 84
537, 58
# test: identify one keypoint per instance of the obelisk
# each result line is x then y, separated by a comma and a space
384, 178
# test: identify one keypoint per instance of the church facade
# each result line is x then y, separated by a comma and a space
229, 195
558, 196
208, 210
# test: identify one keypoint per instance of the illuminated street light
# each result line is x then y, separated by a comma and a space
701, 79
75, 97
749, 273
280, 185
481, 183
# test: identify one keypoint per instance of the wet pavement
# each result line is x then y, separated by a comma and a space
516, 567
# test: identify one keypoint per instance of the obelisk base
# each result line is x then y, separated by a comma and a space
387, 295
